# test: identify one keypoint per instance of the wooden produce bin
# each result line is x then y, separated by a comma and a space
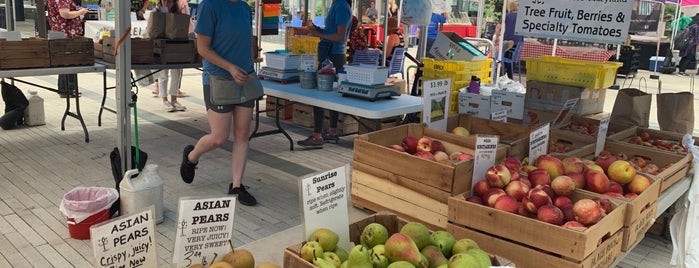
286, 109
568, 143
516, 136
392, 222
98, 50
569, 243
676, 166
78, 51
302, 115
141, 50
612, 132
524, 256
167, 51
654, 135
366, 125
346, 125
412, 187
28, 53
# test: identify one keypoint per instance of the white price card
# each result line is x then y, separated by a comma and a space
308, 63
486, 148
127, 241
538, 143
324, 203
499, 116
602, 134
565, 112
436, 97
204, 230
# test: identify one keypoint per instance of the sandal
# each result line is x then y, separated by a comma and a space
182, 94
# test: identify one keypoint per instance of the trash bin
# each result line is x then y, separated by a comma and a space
87, 206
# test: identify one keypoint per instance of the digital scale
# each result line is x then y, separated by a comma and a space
283, 76
371, 93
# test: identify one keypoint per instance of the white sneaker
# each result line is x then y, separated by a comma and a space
167, 106
179, 106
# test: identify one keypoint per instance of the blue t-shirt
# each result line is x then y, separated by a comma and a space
510, 21
339, 14
433, 27
229, 25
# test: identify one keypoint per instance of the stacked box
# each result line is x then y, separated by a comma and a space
286, 108
474, 104
97, 48
302, 115
515, 136
28, 53
141, 50
551, 97
410, 186
78, 51
346, 125
513, 102
366, 125
167, 51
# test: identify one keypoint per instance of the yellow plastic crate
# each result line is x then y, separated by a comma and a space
580, 73
304, 44
452, 65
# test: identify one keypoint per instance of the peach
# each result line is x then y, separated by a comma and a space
550, 214
548, 190
615, 187
604, 203
440, 156
481, 188
551, 164
568, 213
437, 146
536, 198
522, 210
638, 184
498, 176
594, 167
396, 147
587, 211
562, 201
475, 199
461, 131
630, 195
513, 164
492, 195
596, 181
578, 178
563, 185
424, 144
574, 225
539, 177
425, 155
528, 168
614, 195
517, 189
621, 171
573, 164
526, 181
506, 203
514, 176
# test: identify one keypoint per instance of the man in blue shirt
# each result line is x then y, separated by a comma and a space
433, 31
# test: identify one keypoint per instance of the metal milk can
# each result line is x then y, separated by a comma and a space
34, 114
142, 191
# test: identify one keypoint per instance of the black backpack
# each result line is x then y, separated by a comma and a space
683, 38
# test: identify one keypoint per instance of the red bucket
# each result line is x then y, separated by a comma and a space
81, 230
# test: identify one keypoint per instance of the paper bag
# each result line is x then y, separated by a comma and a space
676, 112
156, 25
631, 108
176, 26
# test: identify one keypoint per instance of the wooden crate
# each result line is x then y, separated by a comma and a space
286, 107
168, 51
302, 115
28, 53
566, 142
612, 132
637, 229
667, 136
346, 125
526, 256
141, 50
367, 125
569, 243
78, 51
516, 136
97, 49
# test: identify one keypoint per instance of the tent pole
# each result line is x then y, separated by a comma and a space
496, 70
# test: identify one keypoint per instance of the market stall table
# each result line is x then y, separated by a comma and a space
332, 100
535, 49
11, 74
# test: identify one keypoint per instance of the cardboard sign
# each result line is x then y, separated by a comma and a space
499, 116
602, 134
204, 230
436, 96
565, 112
324, 203
600, 21
486, 147
538, 142
127, 241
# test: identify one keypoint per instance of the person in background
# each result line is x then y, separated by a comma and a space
509, 35
392, 8
64, 16
372, 13
332, 45
163, 77
357, 40
140, 7
682, 22
433, 30
688, 54
394, 39
224, 40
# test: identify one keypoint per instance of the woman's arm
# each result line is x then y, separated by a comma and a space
336, 37
204, 49
65, 13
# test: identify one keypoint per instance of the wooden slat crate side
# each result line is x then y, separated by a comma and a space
72, 59
524, 256
674, 178
427, 190
25, 63
638, 228
77, 44
98, 50
362, 203
26, 53
508, 132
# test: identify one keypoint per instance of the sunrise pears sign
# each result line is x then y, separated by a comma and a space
600, 21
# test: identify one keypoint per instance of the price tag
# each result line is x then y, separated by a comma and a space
204, 228
324, 203
308, 63
486, 148
602, 134
127, 241
436, 96
538, 142
565, 112
500, 116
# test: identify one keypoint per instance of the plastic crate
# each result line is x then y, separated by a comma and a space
458, 70
366, 74
304, 44
282, 61
587, 74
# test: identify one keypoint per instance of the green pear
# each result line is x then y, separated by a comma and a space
311, 250
344, 264
463, 245
434, 256
373, 234
379, 249
332, 258
443, 240
379, 260
463, 260
401, 264
399, 247
443, 266
322, 263
481, 256
417, 232
359, 257
342, 253
326, 237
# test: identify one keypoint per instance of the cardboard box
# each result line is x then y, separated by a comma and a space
515, 136
78, 51
450, 46
526, 256
302, 115
552, 97
28, 53
513, 102
474, 104
569, 243
286, 109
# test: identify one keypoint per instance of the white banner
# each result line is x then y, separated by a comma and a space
601, 21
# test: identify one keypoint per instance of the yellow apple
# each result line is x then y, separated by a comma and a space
461, 131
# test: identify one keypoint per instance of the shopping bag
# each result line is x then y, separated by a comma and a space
676, 112
631, 108
176, 26
156, 25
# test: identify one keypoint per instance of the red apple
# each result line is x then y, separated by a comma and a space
539, 177
513, 164
425, 155
562, 201
621, 171
437, 146
551, 164
396, 147
578, 178
492, 195
587, 212
441, 156
615, 187
424, 144
596, 181
563, 185
506, 203
604, 203
638, 184
409, 144
536, 199
605, 161
550, 214
475, 199
517, 189
461, 131
481, 188
498, 176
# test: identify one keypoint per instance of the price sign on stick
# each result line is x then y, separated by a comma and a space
486, 148
436, 97
602, 134
565, 112
500, 116
127, 241
204, 230
308, 63
324, 203
538, 143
